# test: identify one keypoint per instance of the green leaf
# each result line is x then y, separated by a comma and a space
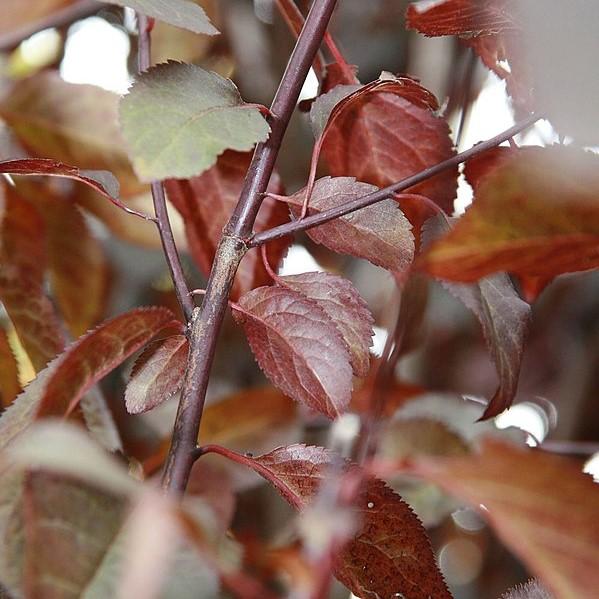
178, 118
180, 13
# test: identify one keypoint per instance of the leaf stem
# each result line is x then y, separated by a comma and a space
158, 197
387, 192
207, 320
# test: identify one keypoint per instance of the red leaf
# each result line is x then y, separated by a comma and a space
22, 266
505, 320
541, 506
381, 138
298, 347
379, 233
9, 372
206, 203
78, 269
553, 193
157, 374
460, 17
344, 306
390, 554
103, 182
93, 356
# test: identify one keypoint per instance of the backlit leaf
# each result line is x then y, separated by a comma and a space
541, 506
181, 13
93, 356
504, 318
77, 266
382, 137
390, 554
70, 123
22, 266
178, 118
344, 306
298, 347
206, 203
379, 233
536, 214
9, 374
157, 374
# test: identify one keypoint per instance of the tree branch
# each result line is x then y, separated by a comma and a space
160, 209
206, 320
60, 18
378, 196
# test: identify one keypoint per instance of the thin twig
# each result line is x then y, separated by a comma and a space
160, 209
207, 320
378, 196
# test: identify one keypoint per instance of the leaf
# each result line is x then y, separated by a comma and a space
542, 507
505, 320
157, 374
177, 119
93, 356
9, 373
553, 192
298, 347
78, 268
379, 233
345, 307
390, 554
240, 421
382, 137
180, 13
530, 590
22, 266
69, 123
206, 203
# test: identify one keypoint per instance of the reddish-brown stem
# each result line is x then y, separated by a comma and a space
256, 466
337, 55
206, 321
267, 267
378, 196
160, 209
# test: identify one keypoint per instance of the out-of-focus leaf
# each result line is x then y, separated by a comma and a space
9, 373
240, 421
181, 13
541, 506
206, 203
379, 233
391, 552
93, 356
380, 138
178, 118
16, 14
492, 28
77, 265
100, 421
504, 318
344, 306
71, 123
157, 374
530, 590
298, 347
553, 193
22, 266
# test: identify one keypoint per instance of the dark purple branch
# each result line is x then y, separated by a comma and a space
387, 192
163, 223
85, 8
207, 320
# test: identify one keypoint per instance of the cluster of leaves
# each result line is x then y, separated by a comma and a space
65, 500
